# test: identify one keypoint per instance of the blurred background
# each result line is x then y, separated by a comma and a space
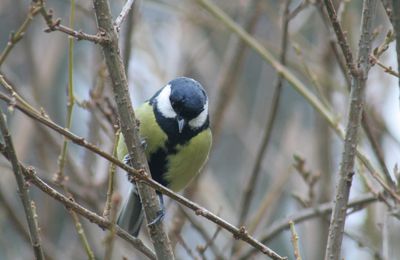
296, 166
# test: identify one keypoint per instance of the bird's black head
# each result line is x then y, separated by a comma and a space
181, 107
188, 98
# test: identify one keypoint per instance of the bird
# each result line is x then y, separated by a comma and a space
174, 127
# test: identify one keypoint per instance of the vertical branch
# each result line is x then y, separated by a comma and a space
129, 127
346, 172
22, 189
111, 173
71, 100
110, 238
295, 241
59, 178
364, 118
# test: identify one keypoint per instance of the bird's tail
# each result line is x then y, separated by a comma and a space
131, 216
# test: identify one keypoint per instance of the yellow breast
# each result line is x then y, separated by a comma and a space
188, 161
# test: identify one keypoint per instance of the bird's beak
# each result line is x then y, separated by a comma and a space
181, 123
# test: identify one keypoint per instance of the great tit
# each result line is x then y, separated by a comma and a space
174, 127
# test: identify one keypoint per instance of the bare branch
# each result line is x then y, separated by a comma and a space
111, 173
342, 39
19, 34
109, 240
55, 25
124, 12
295, 241
22, 188
346, 172
129, 128
143, 178
91, 216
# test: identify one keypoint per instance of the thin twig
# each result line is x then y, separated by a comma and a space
363, 241
341, 36
365, 117
129, 128
22, 188
30, 174
186, 247
309, 73
230, 71
124, 12
270, 197
202, 231
60, 177
295, 241
110, 238
49, 249
346, 172
333, 42
19, 34
301, 6
249, 189
389, 70
307, 214
79, 35
366, 124
55, 25
209, 242
111, 173
143, 178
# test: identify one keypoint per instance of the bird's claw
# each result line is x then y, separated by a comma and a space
158, 218
127, 159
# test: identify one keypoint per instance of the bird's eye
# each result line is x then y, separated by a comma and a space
176, 104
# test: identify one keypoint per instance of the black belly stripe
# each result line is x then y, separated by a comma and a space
158, 160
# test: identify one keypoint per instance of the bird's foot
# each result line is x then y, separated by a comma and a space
127, 159
158, 218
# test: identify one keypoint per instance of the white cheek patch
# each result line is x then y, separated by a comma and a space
199, 121
164, 104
